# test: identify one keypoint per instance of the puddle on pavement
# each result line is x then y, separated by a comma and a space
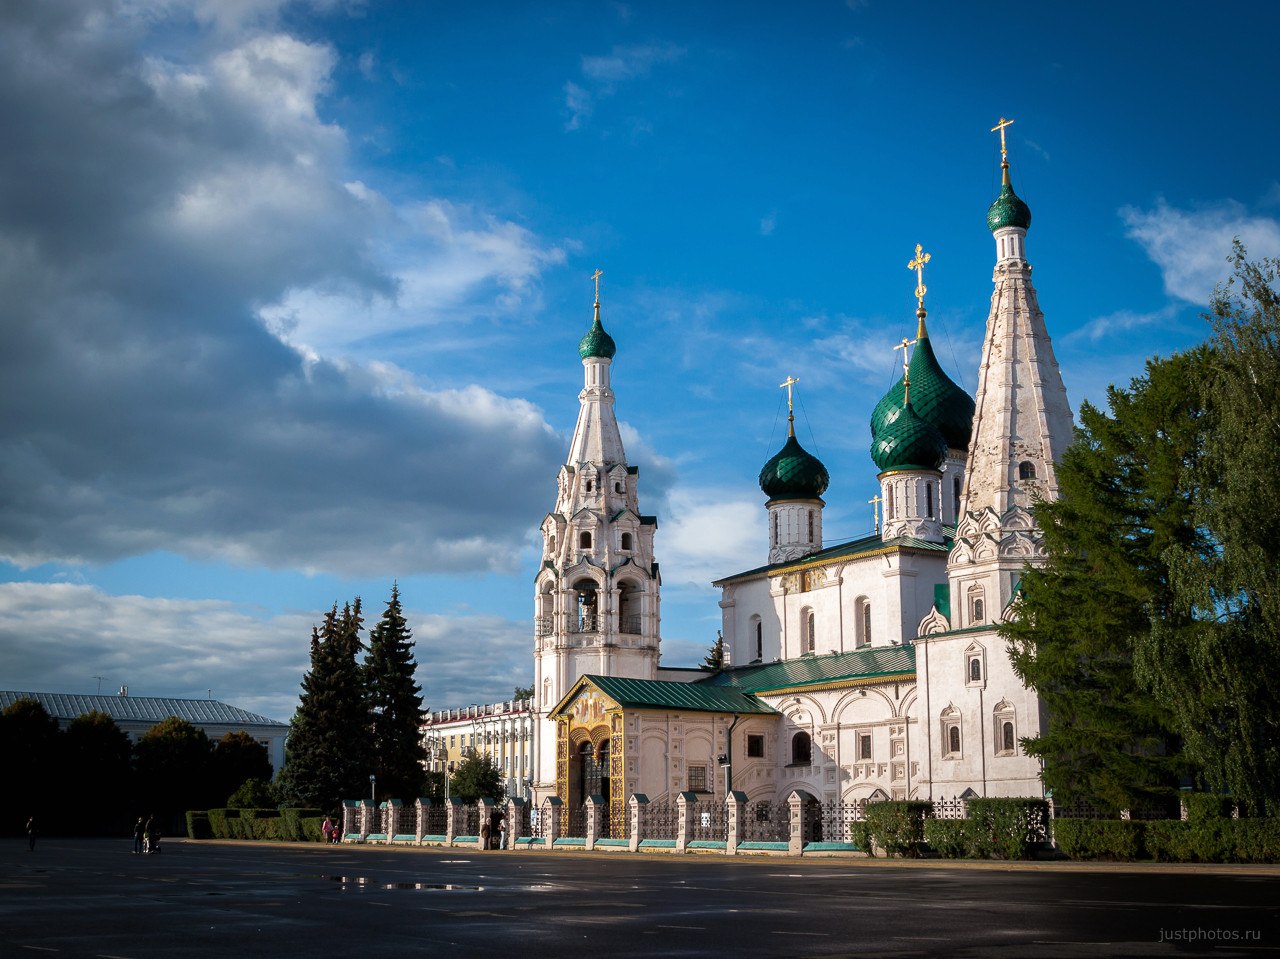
364, 882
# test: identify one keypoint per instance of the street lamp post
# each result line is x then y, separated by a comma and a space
373, 788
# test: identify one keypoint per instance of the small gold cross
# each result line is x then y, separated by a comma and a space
917, 264
596, 276
791, 381
875, 502
1004, 154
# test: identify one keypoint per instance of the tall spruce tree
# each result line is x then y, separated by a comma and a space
1223, 671
395, 705
1126, 501
327, 755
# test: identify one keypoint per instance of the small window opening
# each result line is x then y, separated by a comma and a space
953, 739
584, 540
755, 747
975, 670
1026, 470
928, 500
801, 750
1006, 737
626, 541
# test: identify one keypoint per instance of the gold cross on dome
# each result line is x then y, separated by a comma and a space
917, 264
791, 381
906, 369
596, 276
875, 502
1004, 154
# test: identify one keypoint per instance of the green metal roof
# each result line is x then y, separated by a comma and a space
842, 551
865, 664
597, 343
663, 694
1008, 208
794, 473
935, 398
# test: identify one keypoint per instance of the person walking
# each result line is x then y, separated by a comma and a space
484, 835
31, 833
326, 827
139, 831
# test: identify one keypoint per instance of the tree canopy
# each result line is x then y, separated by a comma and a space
477, 777
1152, 633
395, 705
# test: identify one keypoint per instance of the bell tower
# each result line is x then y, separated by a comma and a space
596, 594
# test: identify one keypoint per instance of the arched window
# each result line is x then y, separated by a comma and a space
551, 544
759, 631
893, 508
975, 670
979, 611
801, 749
1026, 470
590, 486
810, 642
950, 730
617, 487
1006, 736
626, 541
584, 539
775, 530
810, 526
928, 500
862, 623
953, 739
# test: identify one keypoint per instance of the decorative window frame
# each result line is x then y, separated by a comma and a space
861, 622
757, 740
975, 601
949, 720
1004, 713
976, 653
861, 736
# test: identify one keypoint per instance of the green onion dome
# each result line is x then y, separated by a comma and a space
906, 441
794, 473
597, 343
935, 398
1008, 209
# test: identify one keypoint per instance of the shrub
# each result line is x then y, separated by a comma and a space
898, 827
1112, 839
1008, 828
952, 838
860, 836
310, 828
258, 824
1206, 806
1256, 840
291, 826
253, 794
219, 822
198, 824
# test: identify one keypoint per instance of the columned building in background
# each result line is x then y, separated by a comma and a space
502, 731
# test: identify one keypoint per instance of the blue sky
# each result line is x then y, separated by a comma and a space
293, 290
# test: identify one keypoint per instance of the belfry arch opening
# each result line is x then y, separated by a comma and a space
629, 607
586, 602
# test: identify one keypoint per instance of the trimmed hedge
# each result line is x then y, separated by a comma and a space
292, 828
897, 827
1111, 839
1206, 806
198, 824
1003, 828
1170, 840
310, 826
950, 838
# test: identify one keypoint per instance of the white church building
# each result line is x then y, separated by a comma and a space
855, 670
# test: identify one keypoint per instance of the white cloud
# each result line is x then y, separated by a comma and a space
1121, 322
768, 224
179, 201
183, 648
603, 74
1191, 247
710, 533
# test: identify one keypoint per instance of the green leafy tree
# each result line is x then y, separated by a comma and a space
522, 692
98, 754
715, 655
1222, 671
237, 758
327, 753
395, 705
253, 794
173, 765
1125, 502
32, 748
476, 777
